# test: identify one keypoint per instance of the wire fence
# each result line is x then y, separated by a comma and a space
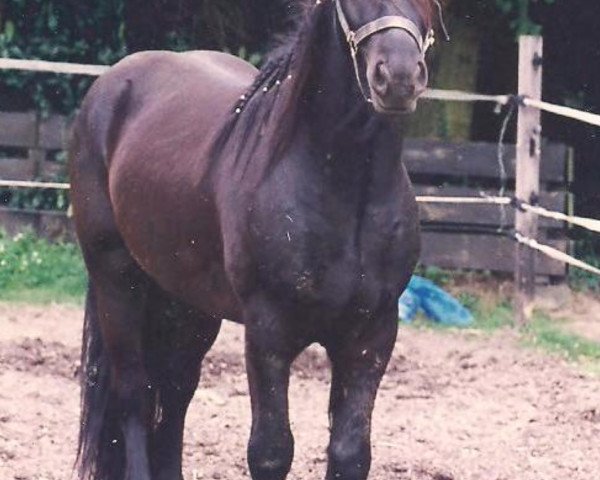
431, 94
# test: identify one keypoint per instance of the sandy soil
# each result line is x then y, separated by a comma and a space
453, 406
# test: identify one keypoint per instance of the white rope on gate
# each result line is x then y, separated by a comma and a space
555, 253
52, 67
568, 112
589, 223
460, 96
26, 184
431, 94
467, 200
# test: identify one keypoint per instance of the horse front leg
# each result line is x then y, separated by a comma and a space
358, 364
270, 351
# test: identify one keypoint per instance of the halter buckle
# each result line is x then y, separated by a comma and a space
351, 39
429, 40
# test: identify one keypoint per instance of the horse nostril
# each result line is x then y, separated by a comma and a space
421, 73
381, 78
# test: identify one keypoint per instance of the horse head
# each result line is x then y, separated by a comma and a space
388, 40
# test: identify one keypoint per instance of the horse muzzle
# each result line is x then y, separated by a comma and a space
396, 81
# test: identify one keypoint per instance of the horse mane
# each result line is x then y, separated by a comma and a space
263, 120
426, 10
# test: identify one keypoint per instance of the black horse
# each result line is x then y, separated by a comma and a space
203, 189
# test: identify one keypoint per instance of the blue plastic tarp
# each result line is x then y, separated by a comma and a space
436, 304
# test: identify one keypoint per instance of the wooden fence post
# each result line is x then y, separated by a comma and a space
529, 136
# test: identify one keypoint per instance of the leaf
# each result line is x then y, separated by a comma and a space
9, 30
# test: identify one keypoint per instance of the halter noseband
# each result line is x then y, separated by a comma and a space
355, 37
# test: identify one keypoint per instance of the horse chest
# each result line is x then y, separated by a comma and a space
332, 254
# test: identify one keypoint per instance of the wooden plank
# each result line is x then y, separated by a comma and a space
529, 153
16, 169
476, 159
56, 226
18, 129
481, 252
47, 224
52, 170
54, 132
37, 157
481, 215
14, 221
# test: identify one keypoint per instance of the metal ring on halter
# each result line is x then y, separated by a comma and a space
355, 37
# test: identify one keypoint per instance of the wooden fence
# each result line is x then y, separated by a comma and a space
467, 236
29, 144
454, 236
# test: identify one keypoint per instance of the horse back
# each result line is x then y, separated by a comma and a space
157, 96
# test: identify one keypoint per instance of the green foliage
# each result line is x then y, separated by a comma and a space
518, 15
98, 33
518, 11
437, 275
547, 334
33, 269
66, 31
586, 249
489, 316
583, 281
36, 199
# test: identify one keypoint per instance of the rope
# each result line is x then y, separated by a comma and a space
460, 96
555, 253
421, 198
22, 184
53, 67
512, 107
589, 223
585, 117
432, 94
468, 200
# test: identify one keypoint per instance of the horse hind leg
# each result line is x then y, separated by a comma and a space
177, 338
117, 409
117, 403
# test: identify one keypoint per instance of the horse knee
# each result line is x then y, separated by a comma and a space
348, 460
270, 459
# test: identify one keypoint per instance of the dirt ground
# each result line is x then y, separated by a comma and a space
453, 406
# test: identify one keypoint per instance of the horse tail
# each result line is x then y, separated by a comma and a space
96, 131
100, 453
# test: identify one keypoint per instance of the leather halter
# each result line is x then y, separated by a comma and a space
356, 37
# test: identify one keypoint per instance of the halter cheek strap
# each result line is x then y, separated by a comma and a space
354, 38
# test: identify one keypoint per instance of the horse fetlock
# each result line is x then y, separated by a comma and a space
273, 461
349, 460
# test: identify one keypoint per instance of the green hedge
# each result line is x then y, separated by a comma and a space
59, 30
